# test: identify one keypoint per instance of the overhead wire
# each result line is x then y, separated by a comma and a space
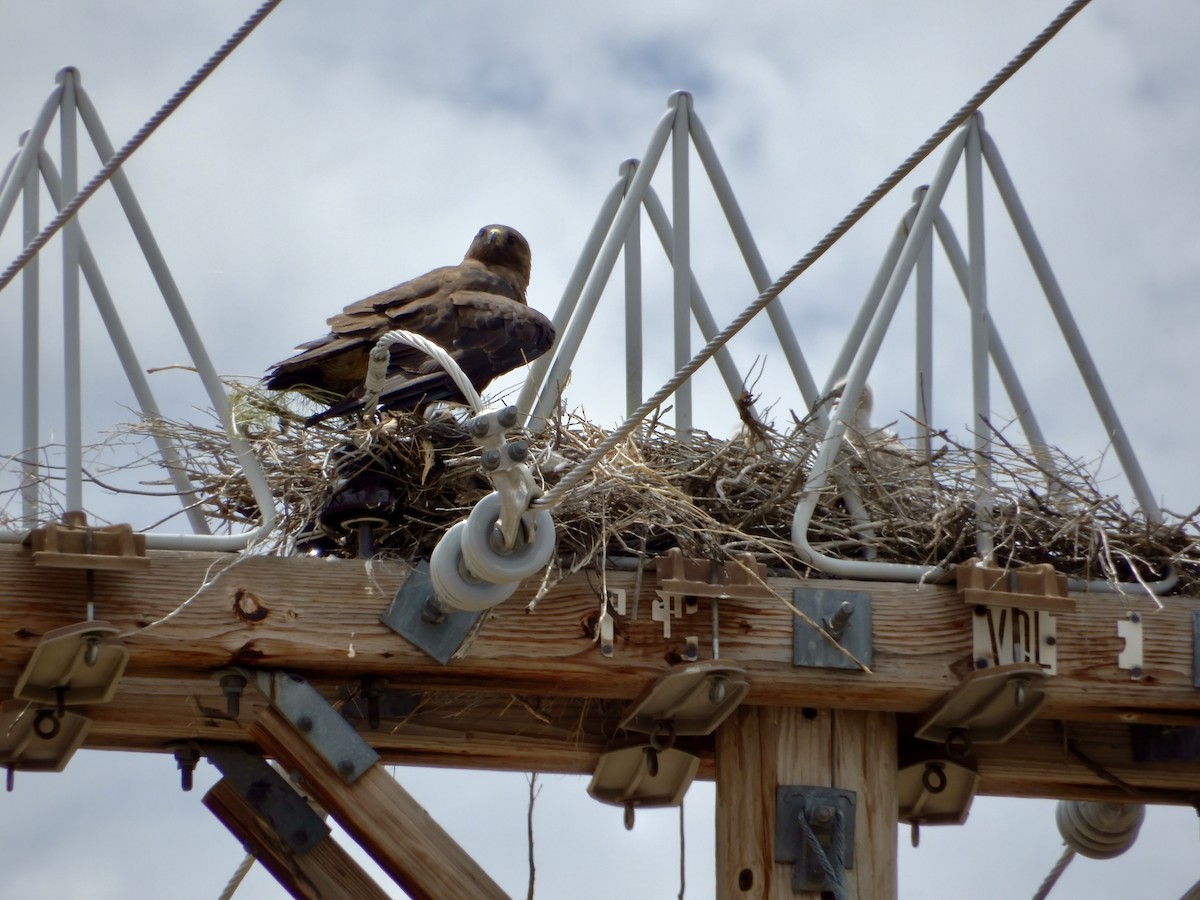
559, 491
118, 159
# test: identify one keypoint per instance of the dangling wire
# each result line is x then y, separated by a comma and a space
118, 159
557, 494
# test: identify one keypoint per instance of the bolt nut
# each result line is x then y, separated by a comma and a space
305, 724
508, 416
346, 767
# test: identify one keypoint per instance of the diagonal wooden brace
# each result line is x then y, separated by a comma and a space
376, 811
325, 870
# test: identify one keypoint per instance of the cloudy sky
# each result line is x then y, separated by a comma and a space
346, 147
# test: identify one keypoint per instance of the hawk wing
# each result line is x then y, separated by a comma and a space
337, 363
486, 334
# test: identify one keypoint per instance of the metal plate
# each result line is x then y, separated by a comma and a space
270, 796
322, 726
406, 615
793, 801
812, 647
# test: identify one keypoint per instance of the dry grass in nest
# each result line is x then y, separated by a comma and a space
710, 497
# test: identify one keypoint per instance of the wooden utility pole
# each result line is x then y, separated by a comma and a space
533, 691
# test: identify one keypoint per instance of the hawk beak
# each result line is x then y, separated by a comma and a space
494, 236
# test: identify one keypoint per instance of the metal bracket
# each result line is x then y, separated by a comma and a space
73, 665
989, 706
37, 738
270, 795
1130, 658
682, 580
819, 806
74, 544
417, 616
328, 733
845, 619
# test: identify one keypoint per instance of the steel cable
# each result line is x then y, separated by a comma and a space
558, 493
118, 159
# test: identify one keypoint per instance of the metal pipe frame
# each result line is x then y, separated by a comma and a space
72, 335
528, 399
980, 371
784, 332
681, 268
734, 382
1070, 331
580, 315
631, 254
855, 380
976, 147
69, 101
126, 355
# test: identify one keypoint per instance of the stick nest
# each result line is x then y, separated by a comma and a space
710, 497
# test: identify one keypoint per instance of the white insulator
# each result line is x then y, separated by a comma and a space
1099, 830
487, 561
456, 587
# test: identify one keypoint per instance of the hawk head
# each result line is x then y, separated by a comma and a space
501, 247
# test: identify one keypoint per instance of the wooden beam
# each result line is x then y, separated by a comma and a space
381, 816
533, 692
325, 872
320, 617
762, 748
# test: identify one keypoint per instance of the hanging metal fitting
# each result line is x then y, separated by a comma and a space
936, 790
988, 707
73, 665
39, 739
692, 699
804, 812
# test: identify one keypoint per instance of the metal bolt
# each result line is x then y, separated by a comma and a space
346, 767
1135, 671
1051, 640
300, 837
479, 426
490, 459
1135, 617
981, 663
232, 685
185, 759
717, 690
822, 815
518, 451
836, 624
508, 416
305, 724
